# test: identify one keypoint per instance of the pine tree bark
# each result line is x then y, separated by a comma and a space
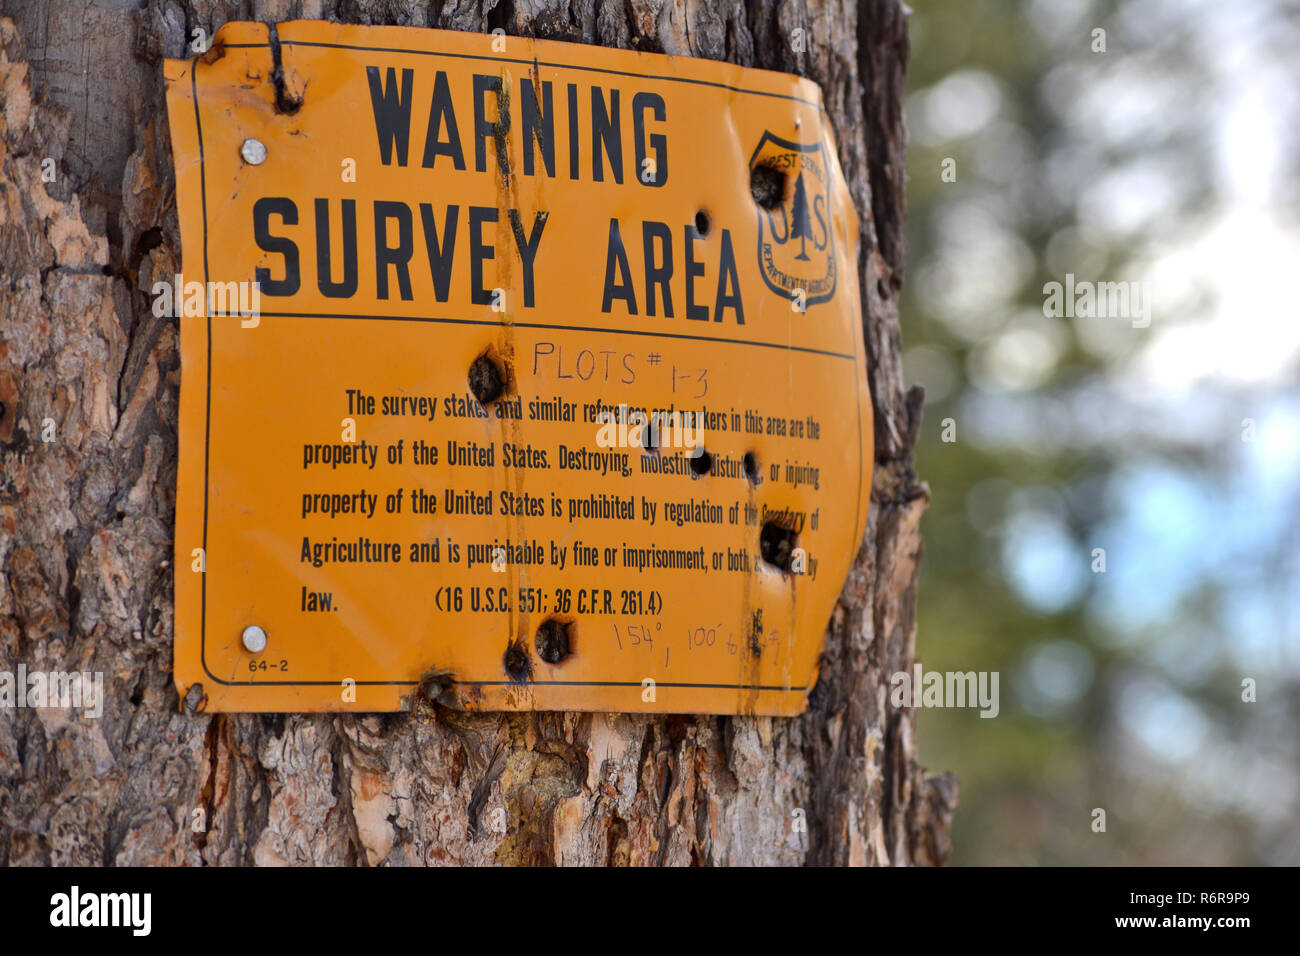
86, 519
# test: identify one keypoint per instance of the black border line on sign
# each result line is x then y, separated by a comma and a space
207, 411
444, 320
507, 683
817, 105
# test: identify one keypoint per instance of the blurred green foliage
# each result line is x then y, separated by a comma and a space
1119, 690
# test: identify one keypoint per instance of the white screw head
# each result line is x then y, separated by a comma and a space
253, 151
254, 639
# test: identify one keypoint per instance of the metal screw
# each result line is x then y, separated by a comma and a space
253, 151
254, 639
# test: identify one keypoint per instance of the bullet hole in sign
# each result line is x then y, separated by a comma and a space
486, 379
516, 662
702, 463
702, 223
552, 641
284, 101
750, 461
433, 684
767, 186
194, 700
756, 634
776, 545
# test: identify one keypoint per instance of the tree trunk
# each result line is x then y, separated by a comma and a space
86, 519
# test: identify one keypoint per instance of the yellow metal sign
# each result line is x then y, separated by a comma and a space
515, 375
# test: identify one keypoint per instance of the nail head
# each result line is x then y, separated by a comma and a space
254, 639
253, 151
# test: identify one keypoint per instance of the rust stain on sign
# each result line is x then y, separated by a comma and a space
516, 375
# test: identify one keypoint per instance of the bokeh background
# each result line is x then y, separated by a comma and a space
1171, 159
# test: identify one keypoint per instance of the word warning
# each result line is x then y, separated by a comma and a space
515, 375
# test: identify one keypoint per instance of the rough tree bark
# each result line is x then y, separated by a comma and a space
85, 520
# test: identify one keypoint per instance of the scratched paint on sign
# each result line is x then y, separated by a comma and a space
515, 375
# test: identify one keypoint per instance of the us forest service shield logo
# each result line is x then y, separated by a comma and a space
792, 186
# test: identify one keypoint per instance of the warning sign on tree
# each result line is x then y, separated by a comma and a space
515, 375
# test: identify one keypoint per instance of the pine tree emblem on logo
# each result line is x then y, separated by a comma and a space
791, 184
